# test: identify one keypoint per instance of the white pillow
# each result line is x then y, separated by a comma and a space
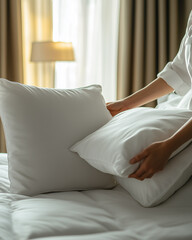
163, 184
111, 147
40, 125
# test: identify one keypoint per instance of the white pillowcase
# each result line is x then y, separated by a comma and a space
40, 125
163, 184
111, 147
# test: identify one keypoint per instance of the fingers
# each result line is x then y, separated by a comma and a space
139, 157
113, 113
145, 175
111, 110
153, 159
140, 174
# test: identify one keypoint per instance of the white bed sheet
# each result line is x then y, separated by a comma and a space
92, 215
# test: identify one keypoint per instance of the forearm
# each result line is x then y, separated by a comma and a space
180, 137
152, 91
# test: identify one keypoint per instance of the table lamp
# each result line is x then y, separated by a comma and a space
52, 51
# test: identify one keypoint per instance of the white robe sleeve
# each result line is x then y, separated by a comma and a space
176, 73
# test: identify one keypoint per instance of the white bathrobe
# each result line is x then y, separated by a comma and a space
178, 73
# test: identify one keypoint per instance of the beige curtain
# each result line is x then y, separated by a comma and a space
21, 23
11, 65
149, 37
37, 26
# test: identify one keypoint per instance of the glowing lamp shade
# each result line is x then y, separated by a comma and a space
52, 51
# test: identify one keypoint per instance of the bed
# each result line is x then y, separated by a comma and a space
93, 214
46, 195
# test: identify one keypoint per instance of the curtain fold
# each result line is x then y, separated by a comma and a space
149, 37
11, 63
21, 23
37, 26
92, 26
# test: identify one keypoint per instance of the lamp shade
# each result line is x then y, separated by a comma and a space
52, 51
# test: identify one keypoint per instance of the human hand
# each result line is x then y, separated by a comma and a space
116, 107
153, 159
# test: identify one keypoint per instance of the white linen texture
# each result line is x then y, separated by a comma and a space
40, 125
110, 148
91, 215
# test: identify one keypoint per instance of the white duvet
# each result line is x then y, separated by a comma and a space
92, 215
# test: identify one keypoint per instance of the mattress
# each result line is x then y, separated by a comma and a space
92, 215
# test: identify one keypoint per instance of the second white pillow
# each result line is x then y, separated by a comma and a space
111, 147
